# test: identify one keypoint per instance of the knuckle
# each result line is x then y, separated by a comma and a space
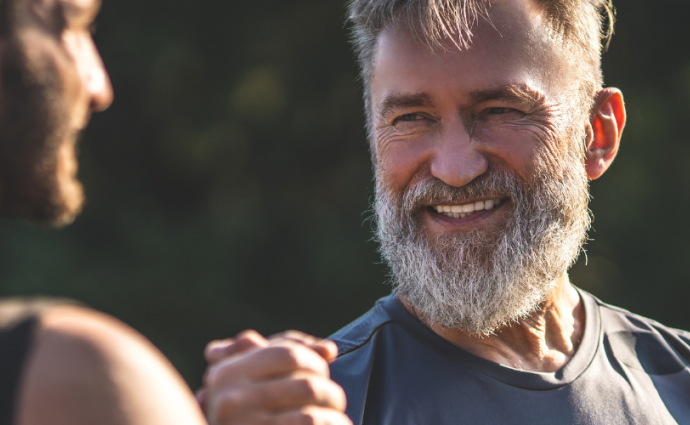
343, 419
228, 404
339, 396
249, 333
212, 344
309, 387
211, 375
222, 374
320, 366
249, 337
292, 333
252, 334
308, 417
289, 355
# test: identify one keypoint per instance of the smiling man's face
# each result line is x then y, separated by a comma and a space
481, 187
52, 80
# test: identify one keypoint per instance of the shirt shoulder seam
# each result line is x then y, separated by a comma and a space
365, 341
649, 321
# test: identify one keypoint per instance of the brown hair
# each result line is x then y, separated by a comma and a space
584, 26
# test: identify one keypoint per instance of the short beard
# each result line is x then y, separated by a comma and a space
478, 281
37, 147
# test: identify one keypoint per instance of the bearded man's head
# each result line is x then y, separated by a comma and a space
481, 281
479, 117
51, 79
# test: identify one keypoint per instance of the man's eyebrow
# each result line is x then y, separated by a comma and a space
395, 101
519, 93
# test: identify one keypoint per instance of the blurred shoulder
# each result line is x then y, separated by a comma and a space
88, 367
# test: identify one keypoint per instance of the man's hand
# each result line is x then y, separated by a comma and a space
281, 380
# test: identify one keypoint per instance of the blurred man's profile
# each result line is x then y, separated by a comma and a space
52, 79
64, 364
61, 363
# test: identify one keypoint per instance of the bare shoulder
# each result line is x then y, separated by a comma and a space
86, 367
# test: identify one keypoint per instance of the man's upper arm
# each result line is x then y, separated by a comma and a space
88, 368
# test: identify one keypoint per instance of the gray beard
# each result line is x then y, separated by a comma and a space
478, 281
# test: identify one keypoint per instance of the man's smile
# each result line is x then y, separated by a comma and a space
467, 209
453, 216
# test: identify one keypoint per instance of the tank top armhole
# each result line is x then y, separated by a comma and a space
15, 344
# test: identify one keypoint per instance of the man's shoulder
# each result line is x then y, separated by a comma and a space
619, 316
361, 331
87, 367
643, 343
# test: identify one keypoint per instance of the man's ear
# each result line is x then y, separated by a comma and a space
604, 131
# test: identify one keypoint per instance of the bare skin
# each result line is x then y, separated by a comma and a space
281, 380
545, 342
452, 113
88, 368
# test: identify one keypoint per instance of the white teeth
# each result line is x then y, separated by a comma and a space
466, 210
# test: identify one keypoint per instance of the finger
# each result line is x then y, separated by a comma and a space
297, 336
310, 416
267, 363
274, 397
245, 341
295, 392
213, 346
326, 349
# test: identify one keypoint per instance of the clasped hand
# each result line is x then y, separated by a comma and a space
282, 380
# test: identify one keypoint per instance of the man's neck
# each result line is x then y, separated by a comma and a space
544, 342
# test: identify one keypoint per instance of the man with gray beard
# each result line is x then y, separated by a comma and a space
486, 120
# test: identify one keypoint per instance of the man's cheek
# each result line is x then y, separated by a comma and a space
399, 162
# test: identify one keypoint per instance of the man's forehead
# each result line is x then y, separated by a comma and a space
513, 48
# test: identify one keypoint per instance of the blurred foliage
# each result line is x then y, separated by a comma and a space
228, 185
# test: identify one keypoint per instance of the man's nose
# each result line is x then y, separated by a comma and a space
100, 88
457, 159
101, 92
95, 78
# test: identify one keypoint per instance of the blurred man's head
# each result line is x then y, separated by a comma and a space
51, 79
486, 120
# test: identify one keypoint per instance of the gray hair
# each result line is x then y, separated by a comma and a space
584, 26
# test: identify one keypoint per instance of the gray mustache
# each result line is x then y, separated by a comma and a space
428, 190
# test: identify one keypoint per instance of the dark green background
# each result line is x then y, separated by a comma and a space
228, 185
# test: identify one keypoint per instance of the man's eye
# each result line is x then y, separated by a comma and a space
409, 117
498, 111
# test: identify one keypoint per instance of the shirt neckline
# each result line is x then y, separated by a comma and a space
527, 380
